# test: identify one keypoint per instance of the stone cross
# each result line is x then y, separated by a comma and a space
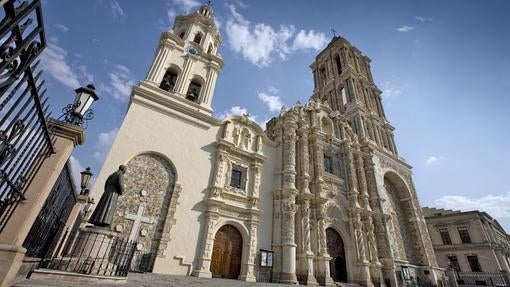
138, 219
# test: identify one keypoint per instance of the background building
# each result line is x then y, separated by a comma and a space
470, 241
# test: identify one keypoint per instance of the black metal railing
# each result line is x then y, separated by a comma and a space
25, 139
95, 254
49, 225
480, 279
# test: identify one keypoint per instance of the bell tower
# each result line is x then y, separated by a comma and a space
342, 77
187, 64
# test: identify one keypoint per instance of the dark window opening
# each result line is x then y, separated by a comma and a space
198, 38
168, 82
454, 262
193, 91
181, 35
209, 50
328, 164
464, 235
445, 236
474, 264
238, 177
338, 64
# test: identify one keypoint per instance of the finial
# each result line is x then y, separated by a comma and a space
209, 3
334, 32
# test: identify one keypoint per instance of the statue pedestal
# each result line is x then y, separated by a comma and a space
94, 242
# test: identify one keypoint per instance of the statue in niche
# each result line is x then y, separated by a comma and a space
235, 136
246, 139
113, 188
305, 225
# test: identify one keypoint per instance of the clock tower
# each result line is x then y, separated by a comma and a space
187, 63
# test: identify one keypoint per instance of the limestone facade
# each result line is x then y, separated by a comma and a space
323, 172
459, 237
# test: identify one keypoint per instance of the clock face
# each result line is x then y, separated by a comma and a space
192, 51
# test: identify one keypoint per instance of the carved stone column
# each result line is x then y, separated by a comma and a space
323, 257
203, 267
249, 274
352, 179
363, 188
288, 273
215, 191
361, 252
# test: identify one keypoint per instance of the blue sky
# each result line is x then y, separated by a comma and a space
443, 67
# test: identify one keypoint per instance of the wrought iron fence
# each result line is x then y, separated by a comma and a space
24, 135
480, 279
43, 237
96, 255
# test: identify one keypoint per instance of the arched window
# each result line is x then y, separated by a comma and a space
169, 79
181, 35
194, 91
209, 50
198, 38
338, 64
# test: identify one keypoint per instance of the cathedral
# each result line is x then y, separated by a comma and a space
319, 196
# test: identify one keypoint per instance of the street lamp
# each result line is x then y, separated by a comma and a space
85, 179
80, 110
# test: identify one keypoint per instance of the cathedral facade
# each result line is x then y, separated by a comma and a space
321, 195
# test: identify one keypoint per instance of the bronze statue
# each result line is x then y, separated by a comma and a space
103, 214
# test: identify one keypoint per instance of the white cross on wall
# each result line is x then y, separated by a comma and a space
138, 219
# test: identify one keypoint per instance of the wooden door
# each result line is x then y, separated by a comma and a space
227, 252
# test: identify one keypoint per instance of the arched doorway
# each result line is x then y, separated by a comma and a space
337, 265
227, 253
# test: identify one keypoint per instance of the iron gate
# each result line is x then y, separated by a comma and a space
43, 237
24, 136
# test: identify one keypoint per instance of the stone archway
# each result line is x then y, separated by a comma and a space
338, 263
227, 253
143, 210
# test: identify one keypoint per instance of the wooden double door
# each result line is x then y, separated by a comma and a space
227, 253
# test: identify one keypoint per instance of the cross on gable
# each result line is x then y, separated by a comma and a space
334, 32
138, 219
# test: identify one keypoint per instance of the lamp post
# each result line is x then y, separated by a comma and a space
85, 179
80, 110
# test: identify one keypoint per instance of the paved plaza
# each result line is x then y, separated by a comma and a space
150, 279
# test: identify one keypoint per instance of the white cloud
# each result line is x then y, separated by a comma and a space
61, 27
497, 206
309, 40
405, 28
260, 43
237, 110
422, 19
76, 168
53, 61
117, 11
103, 144
274, 103
121, 83
181, 7
389, 90
431, 160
